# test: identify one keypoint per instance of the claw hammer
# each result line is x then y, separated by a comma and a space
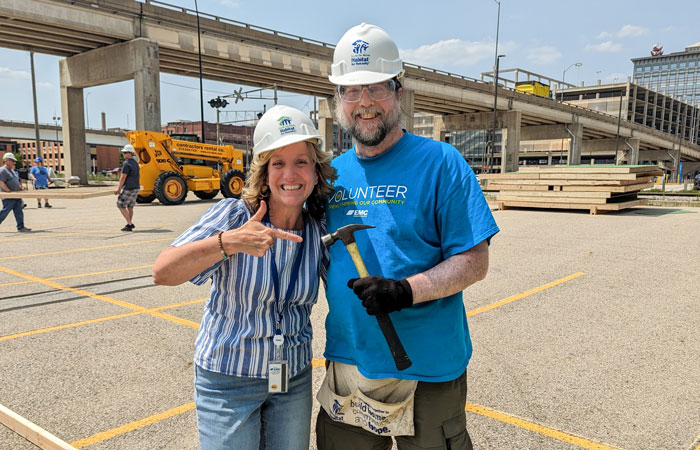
346, 234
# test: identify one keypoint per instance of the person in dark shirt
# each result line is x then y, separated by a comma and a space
9, 182
129, 187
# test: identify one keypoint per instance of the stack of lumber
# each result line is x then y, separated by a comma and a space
593, 187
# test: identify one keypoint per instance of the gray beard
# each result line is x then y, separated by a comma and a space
371, 138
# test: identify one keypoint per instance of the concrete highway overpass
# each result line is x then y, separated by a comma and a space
25, 130
151, 37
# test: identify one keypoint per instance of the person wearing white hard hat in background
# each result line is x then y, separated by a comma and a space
9, 182
430, 243
129, 186
40, 177
264, 256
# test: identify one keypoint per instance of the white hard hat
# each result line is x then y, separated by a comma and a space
281, 126
9, 155
365, 54
128, 148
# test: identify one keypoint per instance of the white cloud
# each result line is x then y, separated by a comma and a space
229, 3
450, 53
604, 47
624, 32
6, 72
545, 54
632, 30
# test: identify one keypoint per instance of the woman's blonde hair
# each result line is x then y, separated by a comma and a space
256, 188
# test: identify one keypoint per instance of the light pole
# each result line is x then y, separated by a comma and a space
495, 114
489, 143
563, 77
201, 90
55, 122
87, 110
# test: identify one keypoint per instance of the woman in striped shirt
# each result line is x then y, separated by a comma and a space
264, 256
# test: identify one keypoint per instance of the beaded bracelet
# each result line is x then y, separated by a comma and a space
221, 247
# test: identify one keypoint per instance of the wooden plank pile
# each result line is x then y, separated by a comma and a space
593, 187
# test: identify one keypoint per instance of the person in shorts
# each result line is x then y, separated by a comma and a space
129, 186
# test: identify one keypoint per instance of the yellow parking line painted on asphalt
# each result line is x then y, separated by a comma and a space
101, 319
317, 362
64, 277
530, 426
524, 294
114, 432
4, 258
113, 301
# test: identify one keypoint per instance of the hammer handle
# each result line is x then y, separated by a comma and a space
401, 359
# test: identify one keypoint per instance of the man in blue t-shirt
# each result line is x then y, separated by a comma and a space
433, 227
129, 186
40, 176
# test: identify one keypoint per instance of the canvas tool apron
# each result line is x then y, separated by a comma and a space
383, 407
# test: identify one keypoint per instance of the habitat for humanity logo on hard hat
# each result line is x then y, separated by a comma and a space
285, 124
360, 54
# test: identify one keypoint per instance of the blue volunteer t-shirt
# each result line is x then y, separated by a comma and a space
41, 174
427, 206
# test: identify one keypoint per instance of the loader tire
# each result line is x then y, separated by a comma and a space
145, 199
207, 195
232, 183
170, 188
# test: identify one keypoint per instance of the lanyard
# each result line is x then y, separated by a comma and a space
294, 275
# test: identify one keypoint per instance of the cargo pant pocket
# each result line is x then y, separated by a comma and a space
456, 435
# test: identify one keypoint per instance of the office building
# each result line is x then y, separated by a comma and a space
675, 75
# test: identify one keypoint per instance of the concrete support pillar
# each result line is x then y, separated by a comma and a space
138, 60
510, 153
632, 154
147, 88
326, 109
74, 146
574, 155
439, 133
407, 109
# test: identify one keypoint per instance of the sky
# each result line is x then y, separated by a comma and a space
545, 37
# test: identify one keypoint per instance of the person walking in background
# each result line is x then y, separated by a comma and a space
129, 186
9, 182
431, 239
40, 176
264, 256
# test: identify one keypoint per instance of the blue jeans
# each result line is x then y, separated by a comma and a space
238, 412
14, 205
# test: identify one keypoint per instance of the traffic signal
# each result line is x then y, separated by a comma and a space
218, 102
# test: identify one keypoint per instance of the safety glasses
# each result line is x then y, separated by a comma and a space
377, 92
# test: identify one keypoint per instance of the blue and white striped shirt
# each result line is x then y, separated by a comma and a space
240, 317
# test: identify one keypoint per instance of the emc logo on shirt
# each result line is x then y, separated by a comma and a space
357, 213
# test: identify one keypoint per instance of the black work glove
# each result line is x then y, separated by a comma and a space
381, 295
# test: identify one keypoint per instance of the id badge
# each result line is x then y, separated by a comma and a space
277, 377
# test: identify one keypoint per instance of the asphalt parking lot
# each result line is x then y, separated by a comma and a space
585, 330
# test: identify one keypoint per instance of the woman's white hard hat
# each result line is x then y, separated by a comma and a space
365, 54
281, 126
128, 148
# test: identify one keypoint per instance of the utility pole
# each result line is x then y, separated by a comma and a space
36, 113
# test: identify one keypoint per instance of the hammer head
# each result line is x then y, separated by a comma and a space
345, 234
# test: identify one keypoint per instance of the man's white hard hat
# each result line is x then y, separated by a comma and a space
281, 126
128, 148
365, 54
9, 155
